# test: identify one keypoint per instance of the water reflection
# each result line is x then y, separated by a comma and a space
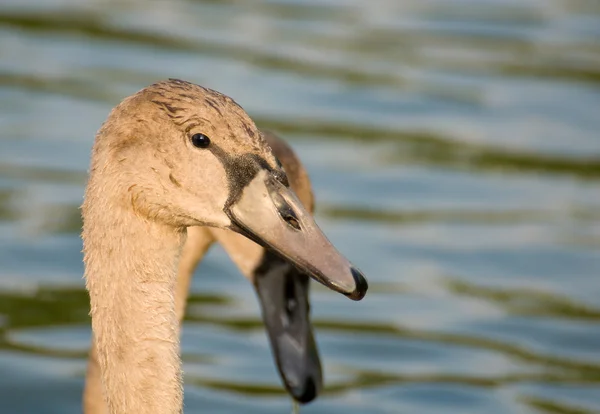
553, 407
528, 302
51, 306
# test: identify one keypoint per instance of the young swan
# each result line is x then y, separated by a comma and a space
281, 289
172, 156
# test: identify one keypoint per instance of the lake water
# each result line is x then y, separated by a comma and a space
454, 148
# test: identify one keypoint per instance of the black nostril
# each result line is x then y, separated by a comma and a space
286, 212
292, 221
361, 284
288, 215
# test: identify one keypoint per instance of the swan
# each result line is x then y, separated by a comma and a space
281, 289
177, 161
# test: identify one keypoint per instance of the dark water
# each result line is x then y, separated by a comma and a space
455, 152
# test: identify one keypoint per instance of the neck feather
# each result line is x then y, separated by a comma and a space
131, 266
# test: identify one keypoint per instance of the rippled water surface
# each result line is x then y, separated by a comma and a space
454, 148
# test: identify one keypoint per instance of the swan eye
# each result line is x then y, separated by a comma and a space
200, 140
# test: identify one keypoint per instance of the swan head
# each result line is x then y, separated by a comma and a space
186, 155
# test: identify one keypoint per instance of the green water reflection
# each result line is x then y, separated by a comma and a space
52, 306
527, 302
553, 407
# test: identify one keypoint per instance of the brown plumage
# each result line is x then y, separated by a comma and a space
244, 252
149, 189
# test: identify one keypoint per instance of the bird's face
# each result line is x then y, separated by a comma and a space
193, 157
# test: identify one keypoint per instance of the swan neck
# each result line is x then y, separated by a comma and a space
131, 269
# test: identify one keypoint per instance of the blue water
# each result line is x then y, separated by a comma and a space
455, 156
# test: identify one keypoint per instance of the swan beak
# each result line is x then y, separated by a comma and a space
283, 294
269, 213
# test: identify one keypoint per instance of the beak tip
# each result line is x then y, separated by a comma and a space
307, 392
361, 285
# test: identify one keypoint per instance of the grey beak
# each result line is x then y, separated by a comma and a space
283, 293
270, 214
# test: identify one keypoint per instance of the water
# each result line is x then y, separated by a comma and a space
455, 156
